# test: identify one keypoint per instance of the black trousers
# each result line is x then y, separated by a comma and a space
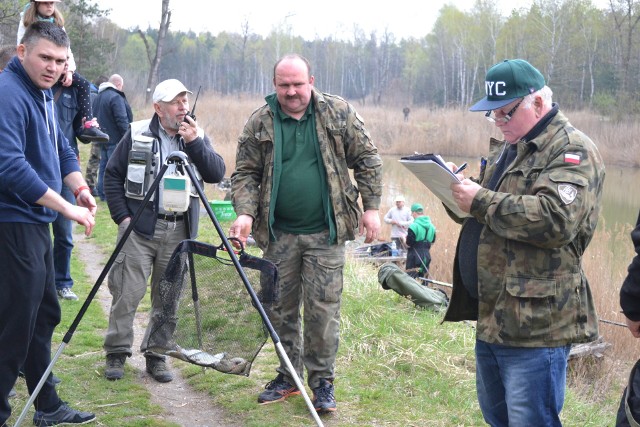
29, 311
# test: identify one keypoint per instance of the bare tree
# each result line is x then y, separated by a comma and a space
154, 60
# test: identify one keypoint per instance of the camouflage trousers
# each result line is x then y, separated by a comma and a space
93, 165
310, 277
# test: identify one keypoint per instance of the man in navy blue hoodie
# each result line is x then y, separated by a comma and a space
35, 160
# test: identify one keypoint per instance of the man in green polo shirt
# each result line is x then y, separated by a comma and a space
292, 190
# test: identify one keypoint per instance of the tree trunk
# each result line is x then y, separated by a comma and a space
154, 60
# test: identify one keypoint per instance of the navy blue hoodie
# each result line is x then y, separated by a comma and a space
34, 153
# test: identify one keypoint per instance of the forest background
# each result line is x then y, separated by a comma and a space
590, 56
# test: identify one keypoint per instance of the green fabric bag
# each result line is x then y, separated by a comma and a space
390, 276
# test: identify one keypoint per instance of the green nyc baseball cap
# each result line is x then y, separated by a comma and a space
506, 81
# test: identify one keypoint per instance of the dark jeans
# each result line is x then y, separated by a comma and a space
63, 244
105, 152
29, 311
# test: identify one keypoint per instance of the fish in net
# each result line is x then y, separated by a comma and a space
207, 315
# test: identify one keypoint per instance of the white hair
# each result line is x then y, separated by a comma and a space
545, 93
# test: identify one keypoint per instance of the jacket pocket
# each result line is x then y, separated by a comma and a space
524, 311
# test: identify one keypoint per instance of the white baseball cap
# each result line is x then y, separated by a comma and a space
169, 89
399, 199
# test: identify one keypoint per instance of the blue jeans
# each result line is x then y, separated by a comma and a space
521, 386
106, 151
63, 244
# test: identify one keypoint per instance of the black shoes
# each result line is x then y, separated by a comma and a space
114, 369
92, 134
323, 399
277, 390
63, 415
157, 368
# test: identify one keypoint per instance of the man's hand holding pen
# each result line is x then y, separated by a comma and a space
465, 191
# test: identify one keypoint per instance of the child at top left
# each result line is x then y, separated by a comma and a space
88, 128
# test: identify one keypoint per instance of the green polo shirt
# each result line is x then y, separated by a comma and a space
299, 208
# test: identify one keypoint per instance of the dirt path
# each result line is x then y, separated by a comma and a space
182, 404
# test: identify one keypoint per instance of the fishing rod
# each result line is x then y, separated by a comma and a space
448, 285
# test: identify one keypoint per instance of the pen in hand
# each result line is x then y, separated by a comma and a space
461, 168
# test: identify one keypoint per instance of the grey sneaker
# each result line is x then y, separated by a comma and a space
157, 367
115, 366
13, 392
67, 293
323, 399
63, 415
277, 390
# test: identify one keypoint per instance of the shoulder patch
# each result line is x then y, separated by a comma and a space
567, 193
572, 158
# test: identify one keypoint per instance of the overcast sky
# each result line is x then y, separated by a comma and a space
321, 17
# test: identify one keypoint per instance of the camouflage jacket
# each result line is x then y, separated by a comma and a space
532, 290
344, 143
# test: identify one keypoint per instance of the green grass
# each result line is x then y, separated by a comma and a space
397, 366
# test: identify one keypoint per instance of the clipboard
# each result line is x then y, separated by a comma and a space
431, 170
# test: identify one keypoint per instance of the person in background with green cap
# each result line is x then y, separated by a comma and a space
420, 236
518, 268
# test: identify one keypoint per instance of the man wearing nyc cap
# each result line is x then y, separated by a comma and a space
157, 232
534, 208
399, 217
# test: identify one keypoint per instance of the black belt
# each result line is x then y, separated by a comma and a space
171, 217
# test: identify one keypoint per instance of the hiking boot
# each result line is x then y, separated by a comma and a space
157, 367
323, 400
67, 293
115, 366
63, 415
277, 390
91, 133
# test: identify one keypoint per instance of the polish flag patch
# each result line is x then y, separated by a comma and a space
572, 158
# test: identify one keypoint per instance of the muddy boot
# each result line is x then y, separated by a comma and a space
115, 366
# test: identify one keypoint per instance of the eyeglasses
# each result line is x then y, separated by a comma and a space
491, 114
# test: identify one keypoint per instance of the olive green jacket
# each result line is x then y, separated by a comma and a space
344, 143
532, 290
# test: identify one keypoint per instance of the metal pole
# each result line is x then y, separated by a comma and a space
265, 319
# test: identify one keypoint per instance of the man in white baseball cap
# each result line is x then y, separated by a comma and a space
148, 249
169, 89
400, 218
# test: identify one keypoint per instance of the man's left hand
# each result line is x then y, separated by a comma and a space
371, 223
634, 327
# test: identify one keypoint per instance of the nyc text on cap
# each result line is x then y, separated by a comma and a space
169, 89
506, 81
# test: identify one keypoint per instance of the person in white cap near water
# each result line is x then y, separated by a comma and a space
400, 219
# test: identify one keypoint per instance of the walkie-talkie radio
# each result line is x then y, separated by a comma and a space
192, 113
